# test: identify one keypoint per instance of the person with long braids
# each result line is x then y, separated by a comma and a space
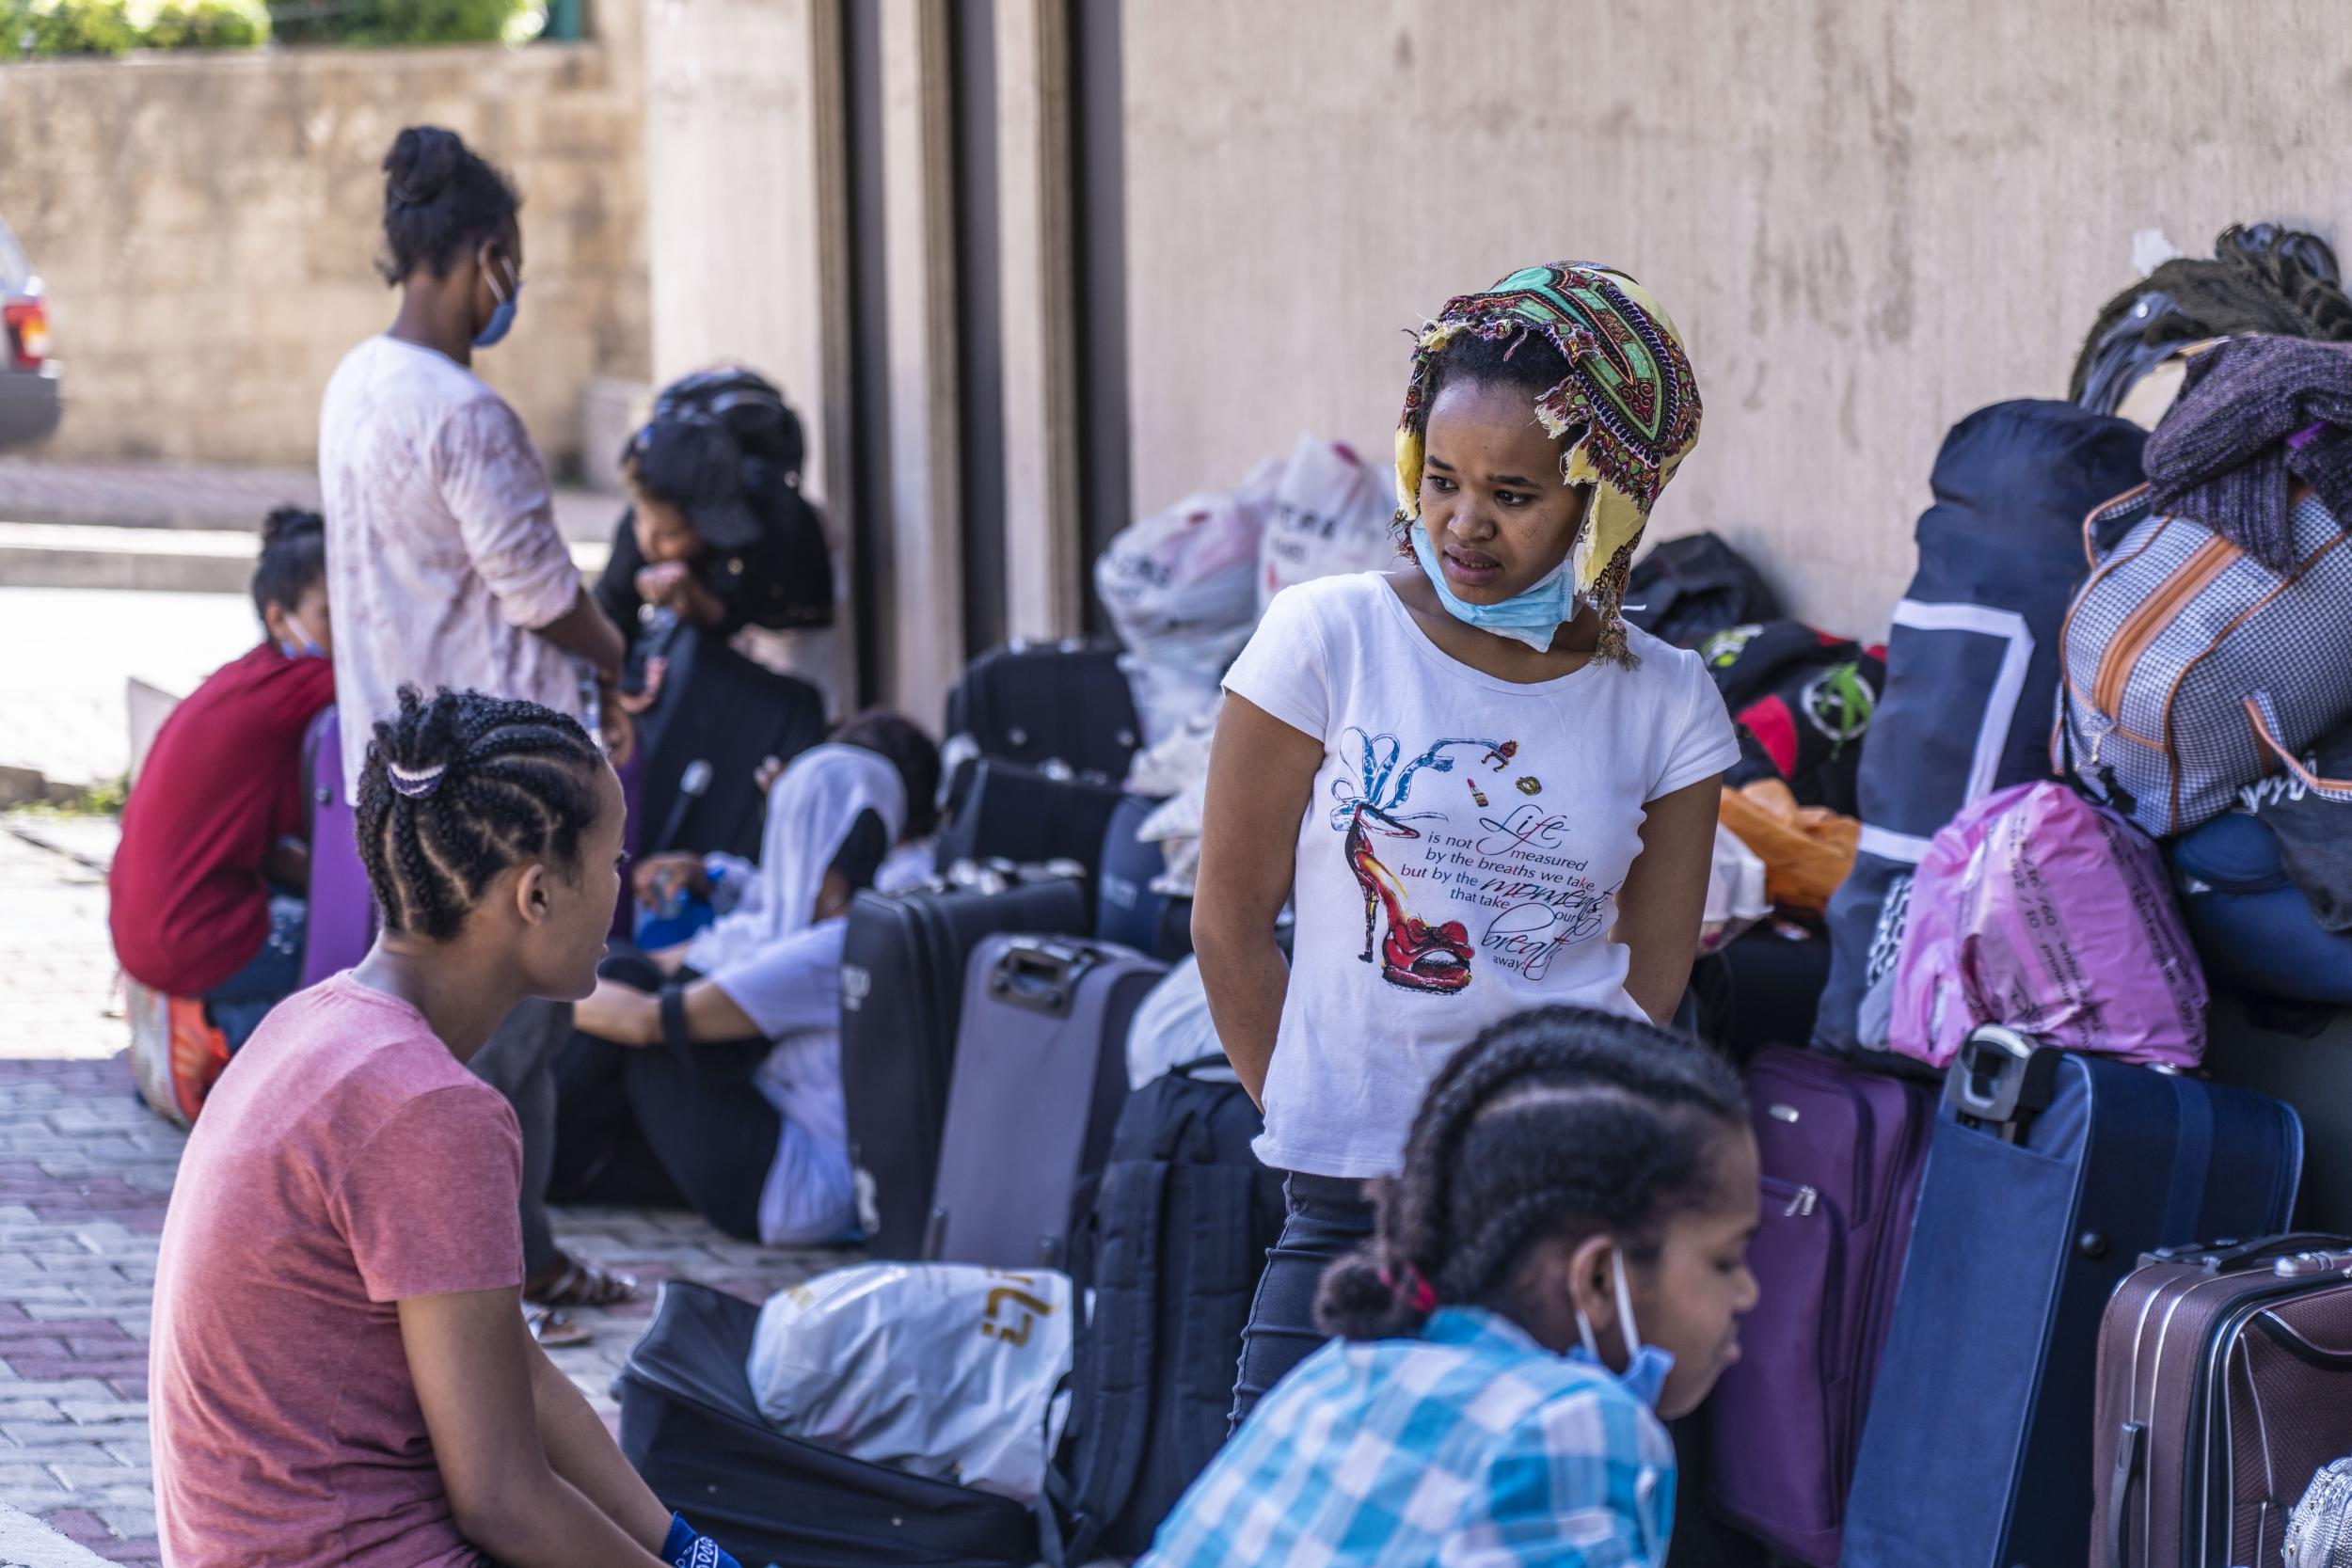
1560, 1268
448, 569
1480, 789
338, 1373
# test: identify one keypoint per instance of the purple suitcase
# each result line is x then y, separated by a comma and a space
342, 911
1842, 1151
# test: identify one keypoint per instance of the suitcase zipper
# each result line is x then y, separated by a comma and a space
1802, 1205
2143, 625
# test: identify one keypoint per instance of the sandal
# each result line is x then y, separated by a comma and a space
554, 1330
580, 1284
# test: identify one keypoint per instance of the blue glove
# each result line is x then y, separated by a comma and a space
686, 1550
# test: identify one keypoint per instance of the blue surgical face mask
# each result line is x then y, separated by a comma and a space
1532, 616
307, 647
1646, 1366
501, 320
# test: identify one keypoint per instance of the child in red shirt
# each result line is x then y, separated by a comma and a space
207, 885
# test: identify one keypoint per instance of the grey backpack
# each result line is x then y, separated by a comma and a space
2190, 669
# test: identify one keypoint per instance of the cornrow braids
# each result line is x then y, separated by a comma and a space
1560, 1120
460, 789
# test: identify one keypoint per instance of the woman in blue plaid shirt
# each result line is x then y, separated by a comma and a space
1559, 1269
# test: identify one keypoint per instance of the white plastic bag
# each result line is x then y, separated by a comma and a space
1331, 514
1180, 588
1171, 1028
1734, 891
939, 1369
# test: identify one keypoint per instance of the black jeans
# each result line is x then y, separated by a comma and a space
1328, 1218
649, 1125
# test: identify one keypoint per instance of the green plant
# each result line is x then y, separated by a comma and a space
70, 27
390, 22
207, 24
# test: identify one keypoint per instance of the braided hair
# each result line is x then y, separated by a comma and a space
1524, 361
440, 198
459, 788
1556, 1122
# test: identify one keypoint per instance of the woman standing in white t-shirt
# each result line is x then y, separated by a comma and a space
446, 569
1480, 789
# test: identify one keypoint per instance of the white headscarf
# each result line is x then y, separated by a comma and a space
810, 813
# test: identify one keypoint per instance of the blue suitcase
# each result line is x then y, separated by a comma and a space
2048, 1175
1126, 910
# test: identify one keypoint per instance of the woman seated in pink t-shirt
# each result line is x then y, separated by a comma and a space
341, 1371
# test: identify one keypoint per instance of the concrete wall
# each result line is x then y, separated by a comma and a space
1867, 216
207, 223
732, 194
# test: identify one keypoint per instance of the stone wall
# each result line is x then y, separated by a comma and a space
206, 224
1867, 216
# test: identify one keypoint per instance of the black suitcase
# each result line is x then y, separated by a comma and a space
716, 718
1011, 813
1126, 910
1040, 704
902, 969
1762, 988
690, 1425
2300, 1054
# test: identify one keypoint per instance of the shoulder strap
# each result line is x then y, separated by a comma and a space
2265, 721
1114, 1363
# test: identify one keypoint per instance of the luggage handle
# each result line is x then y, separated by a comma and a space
2266, 720
2130, 1459
2000, 1078
1040, 975
2221, 1255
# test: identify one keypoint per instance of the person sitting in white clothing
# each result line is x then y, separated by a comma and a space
651, 1101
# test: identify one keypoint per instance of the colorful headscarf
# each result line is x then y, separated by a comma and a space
1628, 385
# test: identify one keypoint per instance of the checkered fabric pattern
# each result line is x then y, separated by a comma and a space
2246, 629
1469, 1446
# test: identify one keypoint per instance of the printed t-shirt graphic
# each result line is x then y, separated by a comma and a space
1516, 879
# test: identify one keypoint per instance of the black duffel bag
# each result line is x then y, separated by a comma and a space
691, 1426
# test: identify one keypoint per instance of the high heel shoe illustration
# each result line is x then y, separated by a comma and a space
1415, 955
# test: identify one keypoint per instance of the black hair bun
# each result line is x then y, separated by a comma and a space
422, 162
286, 524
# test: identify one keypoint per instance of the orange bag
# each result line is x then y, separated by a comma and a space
1806, 850
176, 1052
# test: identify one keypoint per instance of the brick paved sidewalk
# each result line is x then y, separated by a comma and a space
86, 1171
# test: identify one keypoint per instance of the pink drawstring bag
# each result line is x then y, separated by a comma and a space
2037, 909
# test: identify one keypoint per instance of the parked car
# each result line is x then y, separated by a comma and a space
30, 397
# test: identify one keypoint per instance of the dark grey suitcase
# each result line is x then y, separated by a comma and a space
1041, 1074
